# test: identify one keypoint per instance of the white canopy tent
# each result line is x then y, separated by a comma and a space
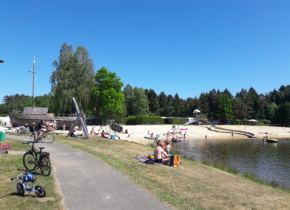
253, 120
5, 121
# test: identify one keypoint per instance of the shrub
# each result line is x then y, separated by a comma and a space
260, 123
175, 121
245, 121
215, 122
142, 119
265, 121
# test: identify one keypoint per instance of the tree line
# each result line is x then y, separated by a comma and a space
102, 94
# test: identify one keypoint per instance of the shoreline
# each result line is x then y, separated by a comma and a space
193, 132
198, 132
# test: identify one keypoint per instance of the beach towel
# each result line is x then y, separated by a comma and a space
147, 160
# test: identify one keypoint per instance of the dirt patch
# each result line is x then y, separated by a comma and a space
45, 199
16, 152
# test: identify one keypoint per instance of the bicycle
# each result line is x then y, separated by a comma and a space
48, 137
22, 185
33, 160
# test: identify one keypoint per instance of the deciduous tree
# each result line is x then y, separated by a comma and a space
107, 96
73, 76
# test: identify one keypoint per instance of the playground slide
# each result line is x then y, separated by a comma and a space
219, 128
188, 123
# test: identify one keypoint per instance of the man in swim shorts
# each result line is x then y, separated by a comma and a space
159, 153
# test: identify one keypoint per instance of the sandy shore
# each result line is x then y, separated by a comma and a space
137, 132
193, 132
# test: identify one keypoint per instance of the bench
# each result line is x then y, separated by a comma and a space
5, 148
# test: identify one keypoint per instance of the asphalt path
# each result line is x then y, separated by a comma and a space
87, 183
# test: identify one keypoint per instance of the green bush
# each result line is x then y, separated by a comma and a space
175, 121
215, 122
245, 121
151, 119
235, 122
265, 121
260, 123
142, 119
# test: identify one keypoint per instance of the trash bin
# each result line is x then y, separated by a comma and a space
2, 136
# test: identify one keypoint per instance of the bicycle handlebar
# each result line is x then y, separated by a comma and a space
16, 177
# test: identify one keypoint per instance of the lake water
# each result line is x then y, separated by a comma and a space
267, 161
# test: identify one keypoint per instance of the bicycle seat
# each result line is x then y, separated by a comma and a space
41, 147
33, 180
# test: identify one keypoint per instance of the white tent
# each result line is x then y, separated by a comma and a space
253, 120
5, 121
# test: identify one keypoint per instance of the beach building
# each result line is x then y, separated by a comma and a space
196, 114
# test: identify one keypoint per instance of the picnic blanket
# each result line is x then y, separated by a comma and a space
147, 160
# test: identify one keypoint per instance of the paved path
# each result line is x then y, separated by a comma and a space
87, 183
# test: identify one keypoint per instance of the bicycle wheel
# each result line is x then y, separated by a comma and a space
20, 189
29, 161
40, 191
49, 137
45, 166
32, 137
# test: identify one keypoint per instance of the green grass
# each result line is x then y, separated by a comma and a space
191, 186
11, 166
248, 176
231, 170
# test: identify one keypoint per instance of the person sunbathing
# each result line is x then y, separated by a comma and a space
160, 155
92, 132
126, 131
103, 134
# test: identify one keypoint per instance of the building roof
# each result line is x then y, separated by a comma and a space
196, 111
35, 110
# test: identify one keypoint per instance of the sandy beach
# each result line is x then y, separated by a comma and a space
193, 132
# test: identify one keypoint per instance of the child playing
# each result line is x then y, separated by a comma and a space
167, 147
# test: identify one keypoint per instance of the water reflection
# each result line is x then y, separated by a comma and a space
267, 161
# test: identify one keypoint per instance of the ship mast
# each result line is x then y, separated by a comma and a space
33, 81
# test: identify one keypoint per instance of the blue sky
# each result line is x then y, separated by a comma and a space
188, 47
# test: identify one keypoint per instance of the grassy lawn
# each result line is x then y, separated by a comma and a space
11, 166
191, 186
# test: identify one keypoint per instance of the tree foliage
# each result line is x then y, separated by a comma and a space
107, 96
73, 76
224, 107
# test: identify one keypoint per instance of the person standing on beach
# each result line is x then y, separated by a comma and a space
184, 135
